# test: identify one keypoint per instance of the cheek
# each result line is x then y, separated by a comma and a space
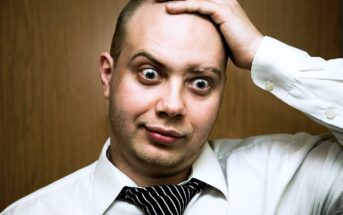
131, 98
202, 115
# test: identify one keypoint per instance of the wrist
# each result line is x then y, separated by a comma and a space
254, 45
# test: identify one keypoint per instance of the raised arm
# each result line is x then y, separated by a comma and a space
310, 84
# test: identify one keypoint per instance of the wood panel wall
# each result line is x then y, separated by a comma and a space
53, 118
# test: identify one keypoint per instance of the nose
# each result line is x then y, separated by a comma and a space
171, 102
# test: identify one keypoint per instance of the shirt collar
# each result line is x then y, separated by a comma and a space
109, 181
207, 169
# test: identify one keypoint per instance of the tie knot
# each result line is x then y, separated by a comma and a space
163, 199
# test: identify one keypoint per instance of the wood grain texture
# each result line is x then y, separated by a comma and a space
53, 118
313, 26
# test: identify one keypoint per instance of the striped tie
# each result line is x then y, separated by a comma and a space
164, 199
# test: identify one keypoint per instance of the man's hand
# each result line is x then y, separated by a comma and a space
240, 34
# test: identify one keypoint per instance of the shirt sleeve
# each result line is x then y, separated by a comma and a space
309, 84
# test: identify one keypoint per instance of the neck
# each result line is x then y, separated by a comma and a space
146, 175
153, 180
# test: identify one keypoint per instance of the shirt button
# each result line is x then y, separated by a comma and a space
269, 85
330, 113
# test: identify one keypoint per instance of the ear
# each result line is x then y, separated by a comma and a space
106, 70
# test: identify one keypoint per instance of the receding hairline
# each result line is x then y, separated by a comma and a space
127, 15
123, 20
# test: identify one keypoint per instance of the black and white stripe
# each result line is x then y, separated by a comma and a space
164, 199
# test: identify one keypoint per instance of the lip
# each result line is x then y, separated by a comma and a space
162, 135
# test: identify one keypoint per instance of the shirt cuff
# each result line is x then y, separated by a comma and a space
299, 80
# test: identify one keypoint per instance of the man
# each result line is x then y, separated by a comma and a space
164, 79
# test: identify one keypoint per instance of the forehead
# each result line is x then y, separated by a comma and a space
185, 35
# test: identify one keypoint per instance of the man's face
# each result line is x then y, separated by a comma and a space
165, 91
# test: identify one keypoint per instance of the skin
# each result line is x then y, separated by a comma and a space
239, 32
164, 94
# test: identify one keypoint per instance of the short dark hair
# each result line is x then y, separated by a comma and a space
122, 22
120, 30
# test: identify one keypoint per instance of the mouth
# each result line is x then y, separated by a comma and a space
163, 136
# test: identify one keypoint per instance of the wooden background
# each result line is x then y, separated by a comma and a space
53, 117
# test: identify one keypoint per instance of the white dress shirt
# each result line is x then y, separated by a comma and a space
263, 175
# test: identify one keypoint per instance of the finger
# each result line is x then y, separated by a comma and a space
202, 7
163, 1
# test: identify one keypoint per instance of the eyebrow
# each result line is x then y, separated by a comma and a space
212, 69
160, 64
147, 55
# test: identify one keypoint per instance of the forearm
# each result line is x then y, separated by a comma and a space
309, 84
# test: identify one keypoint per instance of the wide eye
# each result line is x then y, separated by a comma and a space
201, 84
150, 74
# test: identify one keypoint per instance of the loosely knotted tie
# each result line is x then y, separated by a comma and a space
163, 199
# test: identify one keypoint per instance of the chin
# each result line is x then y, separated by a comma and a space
160, 158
